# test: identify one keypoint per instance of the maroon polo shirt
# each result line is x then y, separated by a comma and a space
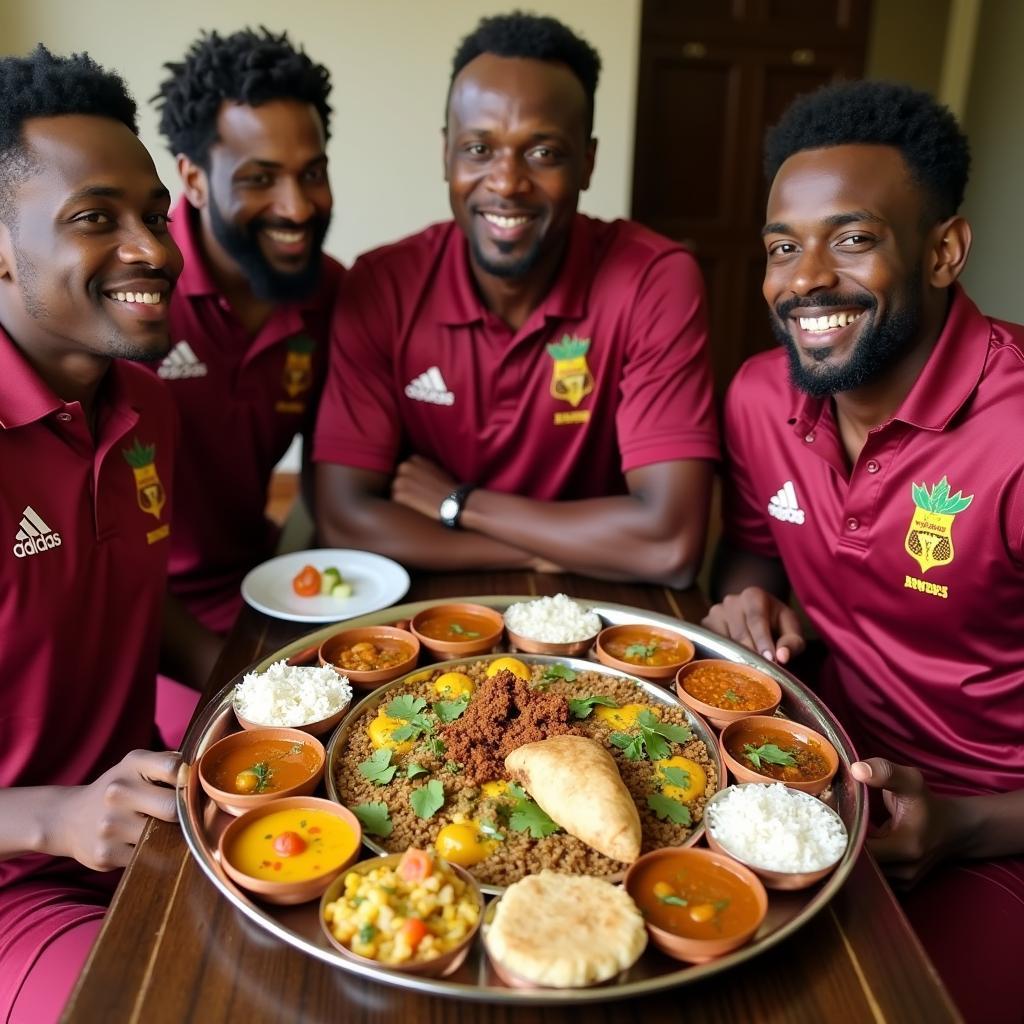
241, 400
85, 530
910, 565
608, 374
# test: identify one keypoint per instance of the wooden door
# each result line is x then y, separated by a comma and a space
714, 74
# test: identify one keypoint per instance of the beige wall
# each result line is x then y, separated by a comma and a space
907, 41
389, 60
995, 125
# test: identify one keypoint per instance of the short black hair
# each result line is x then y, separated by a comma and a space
44, 85
540, 38
886, 114
245, 67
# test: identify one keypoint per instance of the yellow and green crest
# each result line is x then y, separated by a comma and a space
298, 365
929, 539
571, 379
149, 491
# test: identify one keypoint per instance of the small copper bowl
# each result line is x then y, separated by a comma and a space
644, 671
386, 637
754, 723
440, 966
692, 950
569, 650
239, 803
299, 891
446, 649
318, 728
720, 717
784, 880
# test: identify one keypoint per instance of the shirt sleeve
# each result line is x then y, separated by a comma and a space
667, 403
744, 518
358, 424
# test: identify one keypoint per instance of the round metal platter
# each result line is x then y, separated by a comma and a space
299, 926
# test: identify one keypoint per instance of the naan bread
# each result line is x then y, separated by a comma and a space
565, 931
575, 780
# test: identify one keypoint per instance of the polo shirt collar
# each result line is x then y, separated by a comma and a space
949, 378
24, 395
567, 298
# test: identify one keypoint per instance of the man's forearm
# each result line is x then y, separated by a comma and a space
994, 825
734, 570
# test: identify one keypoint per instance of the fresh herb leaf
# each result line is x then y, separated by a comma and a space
732, 696
631, 746
406, 706
559, 671
452, 766
379, 769
469, 634
720, 905
409, 709
770, 754
427, 800
264, 775
374, 818
674, 776
491, 831
582, 707
674, 901
435, 745
366, 933
668, 809
526, 816
415, 769
677, 733
448, 710
651, 737
641, 650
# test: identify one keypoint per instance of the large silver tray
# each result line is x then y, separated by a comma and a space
299, 927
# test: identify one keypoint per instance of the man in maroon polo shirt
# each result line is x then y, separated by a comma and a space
533, 376
86, 446
247, 117
884, 482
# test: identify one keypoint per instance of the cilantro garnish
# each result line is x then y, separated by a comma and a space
374, 818
559, 671
527, 816
652, 736
379, 769
644, 651
435, 745
366, 933
427, 800
582, 707
448, 710
490, 830
732, 696
415, 769
675, 776
770, 754
469, 634
674, 901
409, 709
668, 809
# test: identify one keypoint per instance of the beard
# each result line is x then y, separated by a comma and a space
507, 269
880, 345
242, 245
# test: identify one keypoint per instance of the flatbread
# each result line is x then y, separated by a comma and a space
577, 783
565, 931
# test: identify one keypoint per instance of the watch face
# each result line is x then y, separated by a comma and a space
448, 511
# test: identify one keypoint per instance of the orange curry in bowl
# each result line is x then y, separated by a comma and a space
266, 766
454, 627
722, 687
372, 655
644, 647
778, 754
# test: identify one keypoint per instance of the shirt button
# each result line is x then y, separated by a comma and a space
872, 466
64, 417
852, 524
810, 438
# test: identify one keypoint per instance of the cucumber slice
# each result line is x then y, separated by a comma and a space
329, 579
342, 590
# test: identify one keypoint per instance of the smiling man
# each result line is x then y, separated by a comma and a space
522, 385
86, 450
884, 481
247, 117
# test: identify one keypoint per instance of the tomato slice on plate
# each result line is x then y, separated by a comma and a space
307, 582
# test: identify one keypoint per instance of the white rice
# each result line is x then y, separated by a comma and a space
776, 828
552, 620
289, 695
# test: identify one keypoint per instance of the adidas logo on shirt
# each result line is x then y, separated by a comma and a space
181, 362
429, 386
784, 505
35, 536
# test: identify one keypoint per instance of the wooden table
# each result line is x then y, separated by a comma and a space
173, 949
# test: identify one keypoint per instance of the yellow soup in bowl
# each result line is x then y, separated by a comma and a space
292, 845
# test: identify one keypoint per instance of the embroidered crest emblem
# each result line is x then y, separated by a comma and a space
929, 539
571, 379
298, 365
149, 491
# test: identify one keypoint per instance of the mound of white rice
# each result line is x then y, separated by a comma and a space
776, 828
289, 695
552, 620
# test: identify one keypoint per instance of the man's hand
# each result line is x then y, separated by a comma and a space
421, 485
100, 824
760, 621
923, 828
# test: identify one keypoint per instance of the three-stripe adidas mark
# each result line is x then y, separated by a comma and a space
784, 506
34, 536
429, 386
181, 362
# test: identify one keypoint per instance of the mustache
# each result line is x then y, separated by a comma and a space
288, 225
824, 300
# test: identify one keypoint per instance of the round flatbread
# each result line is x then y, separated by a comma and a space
565, 931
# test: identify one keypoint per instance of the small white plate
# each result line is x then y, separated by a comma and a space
376, 583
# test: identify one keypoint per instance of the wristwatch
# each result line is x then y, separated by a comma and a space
450, 509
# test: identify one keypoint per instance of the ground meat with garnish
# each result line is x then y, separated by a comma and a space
503, 715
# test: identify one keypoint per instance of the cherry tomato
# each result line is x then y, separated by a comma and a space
415, 865
413, 931
307, 583
289, 844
